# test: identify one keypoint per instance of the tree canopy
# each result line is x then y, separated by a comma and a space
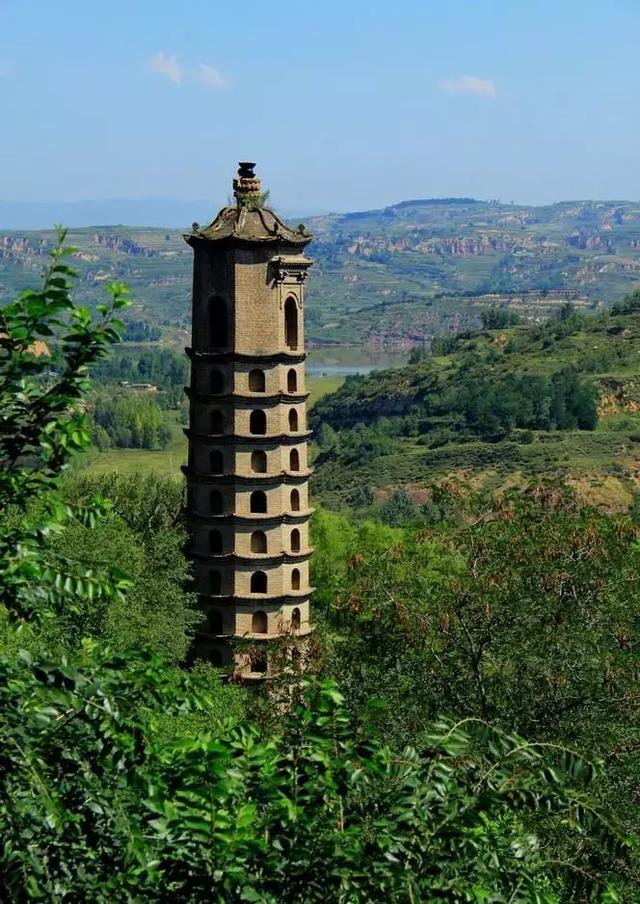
124, 776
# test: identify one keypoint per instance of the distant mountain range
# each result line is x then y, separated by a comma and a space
113, 212
386, 279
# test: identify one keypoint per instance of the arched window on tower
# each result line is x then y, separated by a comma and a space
258, 423
259, 623
295, 540
291, 323
293, 420
295, 619
215, 502
292, 381
258, 502
216, 381
215, 621
294, 460
259, 461
217, 421
295, 579
256, 381
219, 319
215, 542
258, 541
216, 461
258, 582
215, 583
295, 501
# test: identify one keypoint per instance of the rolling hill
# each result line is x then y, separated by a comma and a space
559, 400
390, 278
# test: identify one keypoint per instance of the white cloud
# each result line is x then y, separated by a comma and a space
212, 77
166, 64
469, 84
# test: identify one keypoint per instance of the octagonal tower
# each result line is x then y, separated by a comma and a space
247, 474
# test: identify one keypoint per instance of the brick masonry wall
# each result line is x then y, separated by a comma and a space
223, 442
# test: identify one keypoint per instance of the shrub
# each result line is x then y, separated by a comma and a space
398, 510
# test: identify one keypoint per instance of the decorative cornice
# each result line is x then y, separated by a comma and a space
289, 268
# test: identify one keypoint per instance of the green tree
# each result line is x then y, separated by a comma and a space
496, 318
130, 421
97, 804
144, 533
522, 613
398, 510
41, 428
361, 496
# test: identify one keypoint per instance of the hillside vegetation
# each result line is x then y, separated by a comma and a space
560, 399
384, 759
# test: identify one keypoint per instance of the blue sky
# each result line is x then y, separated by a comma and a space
344, 105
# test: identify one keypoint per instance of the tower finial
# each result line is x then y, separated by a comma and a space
246, 187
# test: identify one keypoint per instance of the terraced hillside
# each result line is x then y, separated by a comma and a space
559, 400
393, 277
155, 263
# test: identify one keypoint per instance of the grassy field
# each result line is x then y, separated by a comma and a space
167, 462
322, 386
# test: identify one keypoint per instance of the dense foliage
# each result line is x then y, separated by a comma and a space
141, 331
137, 386
559, 402
42, 426
97, 804
521, 610
161, 366
144, 534
128, 421
123, 778
497, 318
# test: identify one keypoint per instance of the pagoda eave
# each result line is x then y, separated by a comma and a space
254, 519
289, 478
258, 599
249, 439
223, 356
246, 401
288, 558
